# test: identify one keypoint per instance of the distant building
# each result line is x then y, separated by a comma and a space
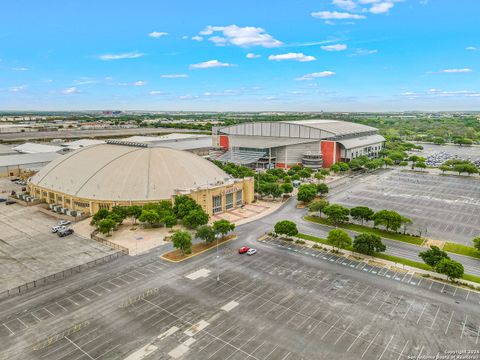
34, 148
311, 143
14, 165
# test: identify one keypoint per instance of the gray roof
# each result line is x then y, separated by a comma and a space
24, 159
361, 141
336, 127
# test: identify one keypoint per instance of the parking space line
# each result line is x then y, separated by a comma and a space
405, 315
386, 347
435, 318
463, 327
374, 296
61, 306
286, 356
446, 330
418, 320
478, 334
271, 352
370, 344
404, 347
104, 288
331, 327
355, 340
31, 313
8, 329
44, 308
79, 348
343, 333
398, 302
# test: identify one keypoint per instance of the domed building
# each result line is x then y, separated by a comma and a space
105, 175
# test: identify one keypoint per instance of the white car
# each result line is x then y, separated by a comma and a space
251, 251
64, 223
58, 228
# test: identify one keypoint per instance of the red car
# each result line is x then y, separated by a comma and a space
243, 250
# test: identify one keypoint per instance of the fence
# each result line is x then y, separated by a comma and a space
59, 275
110, 244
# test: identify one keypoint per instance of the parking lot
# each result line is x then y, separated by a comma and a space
463, 152
441, 207
29, 251
277, 304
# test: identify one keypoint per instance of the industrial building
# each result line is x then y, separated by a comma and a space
104, 175
14, 165
311, 143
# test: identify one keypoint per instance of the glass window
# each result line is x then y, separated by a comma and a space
229, 201
217, 204
238, 198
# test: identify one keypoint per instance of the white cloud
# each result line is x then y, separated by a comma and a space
210, 64
335, 47
464, 70
271, 98
292, 56
17, 89
156, 92
345, 4
130, 55
329, 15
70, 90
381, 7
363, 2
315, 75
174, 76
157, 34
362, 52
197, 38
241, 36
139, 83
252, 56
471, 48
432, 93
20, 69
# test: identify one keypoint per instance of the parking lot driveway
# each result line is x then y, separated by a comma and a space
29, 251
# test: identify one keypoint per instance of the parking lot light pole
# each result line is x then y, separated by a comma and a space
218, 272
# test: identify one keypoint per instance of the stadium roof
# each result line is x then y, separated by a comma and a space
361, 141
34, 148
25, 159
122, 173
336, 127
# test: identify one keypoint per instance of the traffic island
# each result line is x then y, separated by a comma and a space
197, 249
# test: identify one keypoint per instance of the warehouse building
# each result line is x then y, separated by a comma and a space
14, 165
311, 143
101, 176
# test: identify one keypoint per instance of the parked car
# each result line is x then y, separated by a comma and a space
64, 232
3, 199
251, 251
64, 222
10, 202
57, 228
243, 250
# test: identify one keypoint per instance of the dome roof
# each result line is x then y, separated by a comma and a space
124, 173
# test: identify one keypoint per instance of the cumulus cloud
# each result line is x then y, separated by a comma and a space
315, 75
156, 92
70, 90
252, 56
20, 69
448, 71
139, 83
345, 4
130, 55
210, 64
366, 2
335, 47
471, 48
292, 56
432, 93
241, 36
363, 52
174, 76
17, 89
157, 34
197, 38
381, 7
336, 15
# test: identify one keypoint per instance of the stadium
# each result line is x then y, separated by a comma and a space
311, 143
101, 176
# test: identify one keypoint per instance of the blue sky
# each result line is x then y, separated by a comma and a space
335, 55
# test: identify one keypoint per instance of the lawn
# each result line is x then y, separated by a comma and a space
366, 229
198, 248
461, 250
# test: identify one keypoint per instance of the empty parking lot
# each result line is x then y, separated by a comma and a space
278, 304
441, 207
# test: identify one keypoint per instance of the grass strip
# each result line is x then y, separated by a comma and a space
461, 250
366, 229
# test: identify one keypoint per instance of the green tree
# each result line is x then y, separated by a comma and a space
149, 216
106, 225
335, 168
403, 163
420, 165
121, 211
306, 192
195, 218
390, 219
368, 244
387, 162
286, 227
287, 188
134, 212
362, 213
100, 215
322, 189
336, 214
451, 268
433, 256
182, 240
339, 238
183, 205
206, 233
276, 191
476, 243
169, 220
318, 206
223, 227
